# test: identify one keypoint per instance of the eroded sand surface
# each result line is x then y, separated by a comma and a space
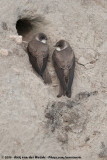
32, 120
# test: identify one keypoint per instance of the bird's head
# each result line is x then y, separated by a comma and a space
61, 45
41, 37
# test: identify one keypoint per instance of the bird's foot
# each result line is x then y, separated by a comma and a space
68, 94
59, 95
64, 93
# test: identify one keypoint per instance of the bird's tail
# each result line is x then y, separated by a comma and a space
46, 77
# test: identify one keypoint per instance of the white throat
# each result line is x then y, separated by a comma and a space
58, 48
43, 41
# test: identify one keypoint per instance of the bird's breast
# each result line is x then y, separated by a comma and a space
64, 60
64, 63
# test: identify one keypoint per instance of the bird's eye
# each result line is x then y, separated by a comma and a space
60, 45
43, 37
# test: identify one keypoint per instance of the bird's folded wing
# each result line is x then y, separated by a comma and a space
59, 71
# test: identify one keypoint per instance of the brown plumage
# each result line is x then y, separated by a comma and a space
38, 52
64, 63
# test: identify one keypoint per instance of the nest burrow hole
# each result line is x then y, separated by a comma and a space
27, 27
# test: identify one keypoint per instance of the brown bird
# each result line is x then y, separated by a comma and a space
38, 51
64, 62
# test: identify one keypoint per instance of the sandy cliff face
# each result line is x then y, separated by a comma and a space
32, 120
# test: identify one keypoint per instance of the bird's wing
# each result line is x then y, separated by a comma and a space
71, 75
33, 61
43, 66
38, 61
59, 71
42, 58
